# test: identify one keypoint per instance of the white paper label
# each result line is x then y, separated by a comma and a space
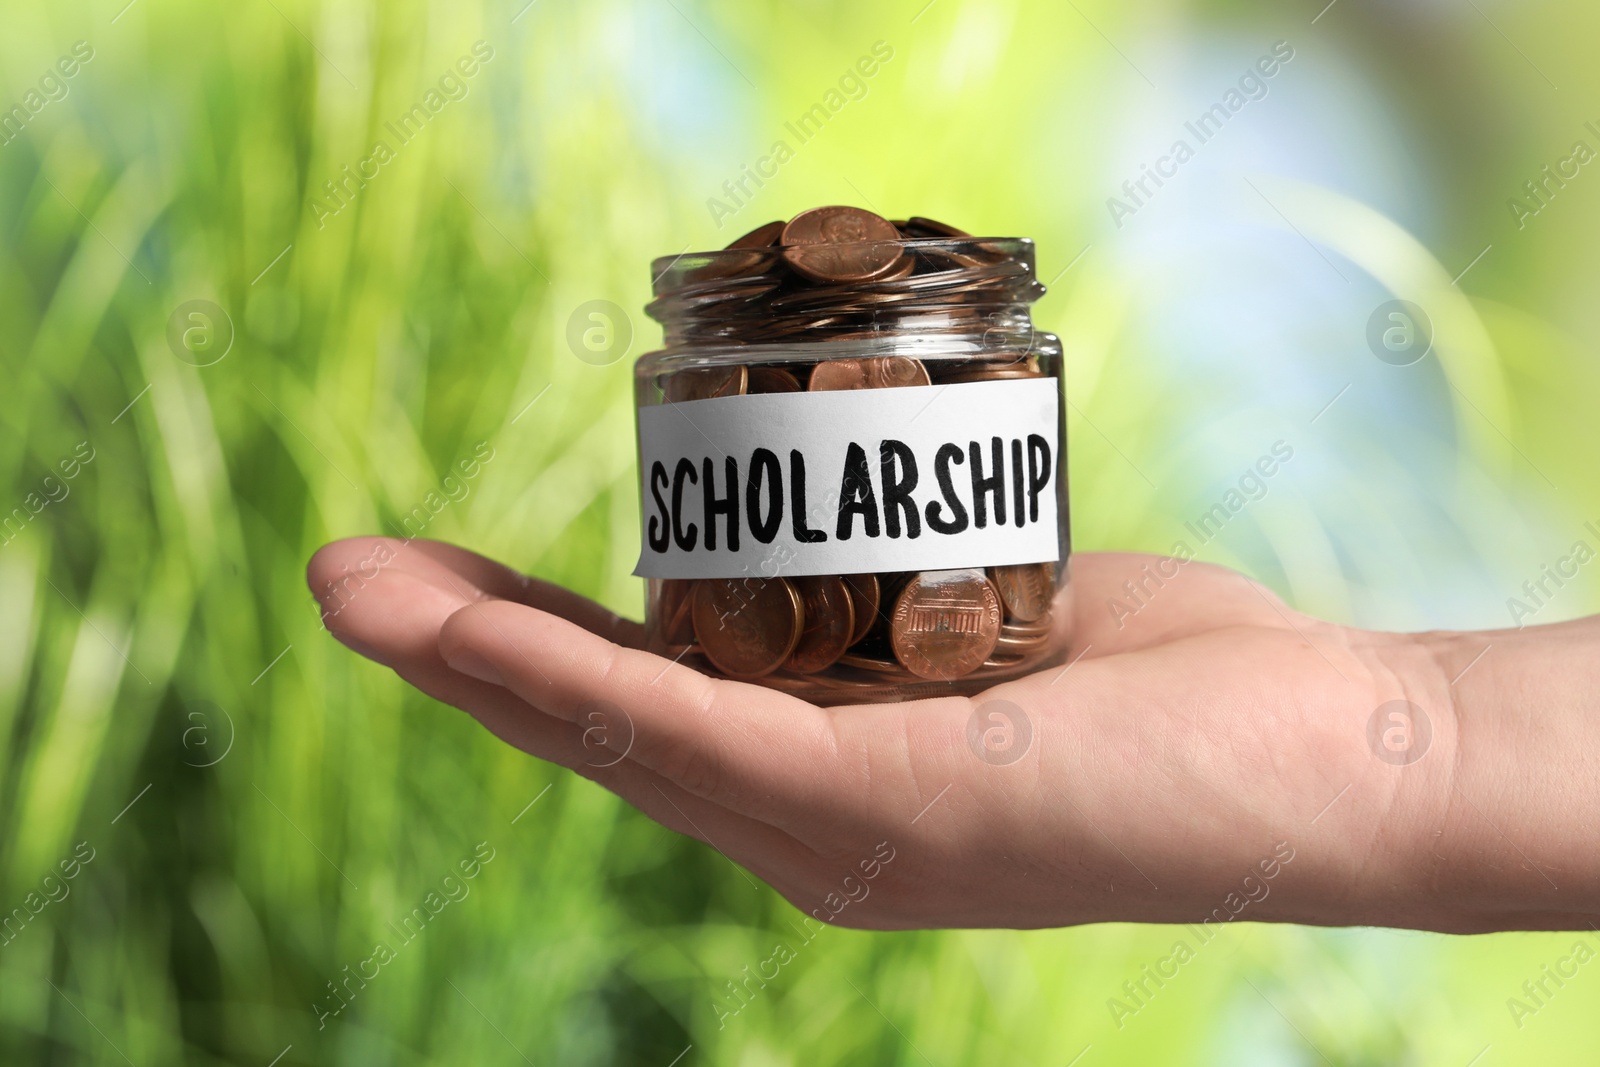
930, 477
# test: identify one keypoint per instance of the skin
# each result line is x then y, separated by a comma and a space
1173, 765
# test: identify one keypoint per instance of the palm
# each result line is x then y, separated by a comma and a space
1141, 781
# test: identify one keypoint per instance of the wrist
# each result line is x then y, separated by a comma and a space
1367, 833
1495, 797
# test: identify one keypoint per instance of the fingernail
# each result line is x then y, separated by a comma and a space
359, 647
468, 662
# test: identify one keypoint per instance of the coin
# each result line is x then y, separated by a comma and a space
760, 237
903, 267
677, 595
945, 623
876, 639
841, 244
706, 268
707, 383
839, 374
917, 226
747, 626
1000, 370
877, 372
1022, 642
829, 622
1021, 647
997, 374
891, 372
868, 663
1042, 625
864, 594
1026, 588
937, 259
772, 380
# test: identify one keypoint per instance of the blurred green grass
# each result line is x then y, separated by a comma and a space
262, 804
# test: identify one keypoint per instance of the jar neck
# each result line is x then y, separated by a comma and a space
956, 293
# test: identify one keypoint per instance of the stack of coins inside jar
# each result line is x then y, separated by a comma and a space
845, 284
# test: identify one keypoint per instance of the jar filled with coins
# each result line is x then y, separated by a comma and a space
852, 461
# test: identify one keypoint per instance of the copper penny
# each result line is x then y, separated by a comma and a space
945, 624
921, 227
1027, 588
841, 244
896, 372
1025, 647
707, 383
731, 264
761, 237
772, 380
864, 597
877, 372
829, 622
747, 626
950, 260
868, 663
906, 265
677, 594
838, 374
992, 372
1044, 624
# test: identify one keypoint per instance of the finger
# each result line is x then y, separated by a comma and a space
745, 747
396, 621
498, 580
390, 615
339, 572
771, 854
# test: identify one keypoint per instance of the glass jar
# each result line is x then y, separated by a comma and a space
852, 466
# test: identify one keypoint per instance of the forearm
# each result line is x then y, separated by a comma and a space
1503, 809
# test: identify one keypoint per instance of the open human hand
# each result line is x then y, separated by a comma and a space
1213, 755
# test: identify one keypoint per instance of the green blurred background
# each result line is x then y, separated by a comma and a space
260, 805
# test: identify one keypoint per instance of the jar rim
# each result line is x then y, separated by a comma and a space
1009, 247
